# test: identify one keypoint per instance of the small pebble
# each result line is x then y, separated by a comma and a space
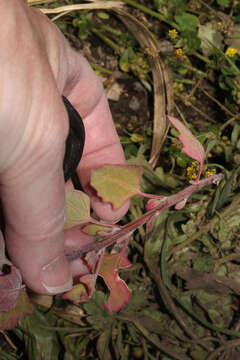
134, 104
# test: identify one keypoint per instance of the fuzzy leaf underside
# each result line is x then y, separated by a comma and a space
77, 208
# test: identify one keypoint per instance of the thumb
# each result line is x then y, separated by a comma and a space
32, 192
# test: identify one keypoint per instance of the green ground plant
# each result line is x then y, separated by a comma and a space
184, 277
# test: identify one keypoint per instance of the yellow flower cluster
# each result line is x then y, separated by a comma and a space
192, 170
173, 34
231, 52
210, 172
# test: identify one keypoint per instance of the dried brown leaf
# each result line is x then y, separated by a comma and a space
209, 282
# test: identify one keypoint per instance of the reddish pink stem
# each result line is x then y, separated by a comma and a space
133, 225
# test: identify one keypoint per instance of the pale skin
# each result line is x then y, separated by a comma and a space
37, 66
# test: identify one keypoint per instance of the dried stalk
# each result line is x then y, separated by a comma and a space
163, 90
93, 6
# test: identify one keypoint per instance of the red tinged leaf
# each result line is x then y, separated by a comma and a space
76, 294
9, 319
10, 281
181, 204
10, 287
119, 292
81, 292
117, 183
191, 146
151, 204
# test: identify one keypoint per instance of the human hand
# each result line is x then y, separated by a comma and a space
37, 67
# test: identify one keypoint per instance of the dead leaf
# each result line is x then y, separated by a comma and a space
209, 35
233, 37
70, 313
197, 280
102, 349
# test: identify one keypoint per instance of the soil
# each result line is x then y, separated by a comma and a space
132, 104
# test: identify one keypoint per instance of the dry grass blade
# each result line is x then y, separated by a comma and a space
38, 2
92, 6
60, 15
163, 91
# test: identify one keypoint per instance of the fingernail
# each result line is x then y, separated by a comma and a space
58, 268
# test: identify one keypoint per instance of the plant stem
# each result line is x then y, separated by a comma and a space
101, 69
151, 12
153, 339
202, 57
227, 345
111, 30
107, 41
128, 229
156, 275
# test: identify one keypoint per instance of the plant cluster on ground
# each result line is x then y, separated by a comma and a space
163, 283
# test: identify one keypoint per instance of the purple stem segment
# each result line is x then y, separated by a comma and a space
126, 230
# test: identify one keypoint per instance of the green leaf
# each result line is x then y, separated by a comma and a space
40, 342
225, 3
180, 5
192, 39
153, 245
124, 62
228, 228
98, 316
77, 208
96, 229
117, 183
187, 22
204, 263
211, 145
235, 134
226, 191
